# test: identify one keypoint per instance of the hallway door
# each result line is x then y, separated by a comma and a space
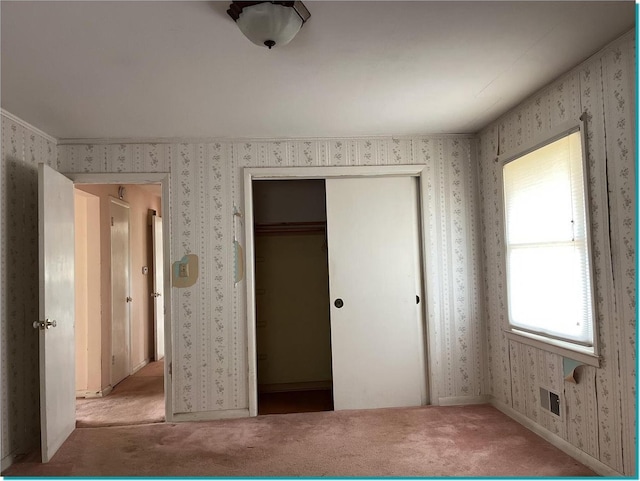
376, 331
57, 309
120, 292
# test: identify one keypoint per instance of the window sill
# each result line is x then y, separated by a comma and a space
578, 353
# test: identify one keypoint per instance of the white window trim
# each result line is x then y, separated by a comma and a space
588, 355
563, 348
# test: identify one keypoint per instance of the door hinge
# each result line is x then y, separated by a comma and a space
112, 224
113, 359
170, 369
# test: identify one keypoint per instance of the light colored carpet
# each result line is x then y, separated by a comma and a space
426, 441
138, 399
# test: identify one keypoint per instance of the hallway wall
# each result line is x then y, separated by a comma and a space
88, 296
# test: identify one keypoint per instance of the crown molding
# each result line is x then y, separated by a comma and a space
27, 125
210, 140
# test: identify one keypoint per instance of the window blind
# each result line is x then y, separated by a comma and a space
548, 271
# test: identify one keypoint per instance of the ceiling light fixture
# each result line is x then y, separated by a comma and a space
269, 23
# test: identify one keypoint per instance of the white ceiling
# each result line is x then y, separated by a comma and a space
183, 69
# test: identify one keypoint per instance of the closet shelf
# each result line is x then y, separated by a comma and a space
291, 228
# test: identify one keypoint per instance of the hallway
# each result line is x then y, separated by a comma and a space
138, 399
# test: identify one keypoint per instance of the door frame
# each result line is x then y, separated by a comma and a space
300, 173
162, 178
154, 219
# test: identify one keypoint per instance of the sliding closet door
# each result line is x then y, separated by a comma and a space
376, 337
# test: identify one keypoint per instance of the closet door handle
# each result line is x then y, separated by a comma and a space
417, 299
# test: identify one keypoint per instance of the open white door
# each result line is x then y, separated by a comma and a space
120, 291
158, 287
57, 309
375, 327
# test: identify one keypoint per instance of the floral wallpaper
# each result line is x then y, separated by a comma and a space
210, 358
22, 149
601, 406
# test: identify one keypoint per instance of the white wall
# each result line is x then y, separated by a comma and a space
23, 147
600, 409
209, 336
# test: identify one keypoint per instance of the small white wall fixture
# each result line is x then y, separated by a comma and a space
162, 178
290, 173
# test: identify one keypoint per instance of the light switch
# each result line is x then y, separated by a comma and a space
184, 270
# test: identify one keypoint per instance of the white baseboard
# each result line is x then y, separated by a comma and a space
462, 400
10, 458
88, 394
589, 461
140, 366
94, 394
295, 386
210, 415
7, 461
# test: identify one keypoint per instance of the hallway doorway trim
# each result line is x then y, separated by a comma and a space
162, 178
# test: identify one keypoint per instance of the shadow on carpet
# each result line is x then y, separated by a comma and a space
139, 399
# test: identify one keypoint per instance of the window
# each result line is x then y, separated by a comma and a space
549, 284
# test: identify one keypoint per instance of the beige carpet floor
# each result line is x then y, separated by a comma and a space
138, 399
426, 441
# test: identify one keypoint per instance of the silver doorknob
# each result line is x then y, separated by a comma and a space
129, 299
46, 324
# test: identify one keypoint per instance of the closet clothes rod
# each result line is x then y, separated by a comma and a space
291, 228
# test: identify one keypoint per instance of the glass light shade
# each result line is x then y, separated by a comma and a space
267, 22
